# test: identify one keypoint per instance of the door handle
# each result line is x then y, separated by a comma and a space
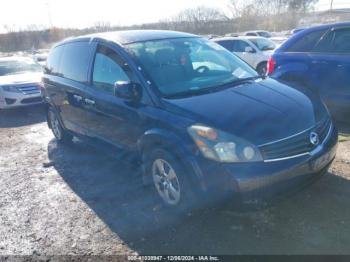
78, 98
89, 101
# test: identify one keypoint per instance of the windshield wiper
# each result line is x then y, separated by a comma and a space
237, 82
188, 93
212, 89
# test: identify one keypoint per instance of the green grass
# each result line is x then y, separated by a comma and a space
344, 137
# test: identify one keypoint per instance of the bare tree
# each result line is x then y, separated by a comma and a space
267, 13
198, 20
200, 14
102, 26
245, 15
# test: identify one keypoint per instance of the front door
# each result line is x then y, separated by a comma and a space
113, 119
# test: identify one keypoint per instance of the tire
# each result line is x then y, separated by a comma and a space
262, 69
58, 131
173, 187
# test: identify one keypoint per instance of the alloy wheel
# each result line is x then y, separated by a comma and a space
166, 182
55, 125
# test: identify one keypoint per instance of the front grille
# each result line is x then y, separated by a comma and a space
29, 89
297, 144
32, 100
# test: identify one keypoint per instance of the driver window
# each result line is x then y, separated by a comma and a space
108, 69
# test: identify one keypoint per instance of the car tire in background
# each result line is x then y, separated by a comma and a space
170, 180
58, 131
262, 69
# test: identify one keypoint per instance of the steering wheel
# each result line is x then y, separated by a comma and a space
202, 69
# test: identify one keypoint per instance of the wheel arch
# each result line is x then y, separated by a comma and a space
261, 63
161, 138
51, 106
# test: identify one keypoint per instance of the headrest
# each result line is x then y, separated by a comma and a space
165, 56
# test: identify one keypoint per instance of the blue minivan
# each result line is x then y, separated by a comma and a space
201, 120
319, 59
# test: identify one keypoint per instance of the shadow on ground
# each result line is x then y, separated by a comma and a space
22, 116
344, 128
314, 221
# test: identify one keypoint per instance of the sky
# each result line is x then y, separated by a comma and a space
84, 13
18, 14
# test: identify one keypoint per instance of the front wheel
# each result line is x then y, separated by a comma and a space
60, 134
170, 180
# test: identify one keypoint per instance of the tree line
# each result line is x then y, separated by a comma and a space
241, 15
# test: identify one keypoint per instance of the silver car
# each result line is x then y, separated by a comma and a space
253, 50
20, 79
261, 33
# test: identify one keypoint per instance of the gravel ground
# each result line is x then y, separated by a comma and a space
60, 200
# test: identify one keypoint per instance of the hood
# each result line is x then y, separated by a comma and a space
258, 111
20, 78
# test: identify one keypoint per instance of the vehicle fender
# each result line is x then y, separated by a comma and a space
292, 69
159, 137
296, 73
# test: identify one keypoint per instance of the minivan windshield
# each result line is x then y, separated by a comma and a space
189, 66
12, 67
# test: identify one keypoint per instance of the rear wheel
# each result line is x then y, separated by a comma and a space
262, 69
60, 134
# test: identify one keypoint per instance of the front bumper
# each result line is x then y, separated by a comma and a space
11, 99
266, 179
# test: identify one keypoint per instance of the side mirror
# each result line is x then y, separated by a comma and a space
249, 49
128, 90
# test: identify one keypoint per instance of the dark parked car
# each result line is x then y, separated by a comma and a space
201, 120
319, 59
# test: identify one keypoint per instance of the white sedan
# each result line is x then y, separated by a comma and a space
253, 50
20, 79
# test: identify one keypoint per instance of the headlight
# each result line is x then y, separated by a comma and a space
223, 147
10, 89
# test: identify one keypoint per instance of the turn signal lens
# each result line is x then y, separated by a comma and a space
207, 132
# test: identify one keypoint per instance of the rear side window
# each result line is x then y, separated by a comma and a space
239, 46
75, 61
228, 44
53, 61
341, 41
336, 41
307, 42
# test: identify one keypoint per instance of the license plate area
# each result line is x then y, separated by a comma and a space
322, 161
